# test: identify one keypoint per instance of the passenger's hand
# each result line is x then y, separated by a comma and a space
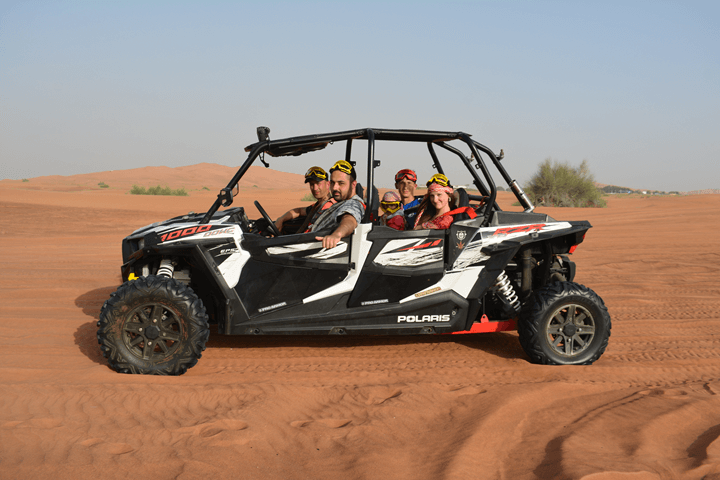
279, 224
329, 241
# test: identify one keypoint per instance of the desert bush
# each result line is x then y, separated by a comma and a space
158, 190
103, 185
25, 180
205, 188
307, 198
561, 185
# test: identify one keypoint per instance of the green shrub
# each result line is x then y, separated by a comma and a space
307, 198
25, 180
205, 188
103, 185
158, 190
560, 185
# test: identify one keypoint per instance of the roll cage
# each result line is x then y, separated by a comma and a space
295, 146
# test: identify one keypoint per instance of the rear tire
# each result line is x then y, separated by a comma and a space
153, 325
564, 323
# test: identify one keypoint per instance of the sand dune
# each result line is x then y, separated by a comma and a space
193, 177
345, 407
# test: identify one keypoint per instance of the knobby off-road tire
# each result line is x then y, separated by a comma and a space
153, 325
564, 323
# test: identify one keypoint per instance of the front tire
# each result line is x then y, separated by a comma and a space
564, 323
153, 325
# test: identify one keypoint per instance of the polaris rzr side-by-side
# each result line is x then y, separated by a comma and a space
497, 271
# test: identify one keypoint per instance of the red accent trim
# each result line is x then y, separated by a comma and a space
486, 326
520, 229
188, 231
424, 245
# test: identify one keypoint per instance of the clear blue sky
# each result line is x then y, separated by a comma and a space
633, 87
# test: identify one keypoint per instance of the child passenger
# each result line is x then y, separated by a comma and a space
393, 215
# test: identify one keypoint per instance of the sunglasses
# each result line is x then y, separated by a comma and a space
343, 166
316, 172
406, 173
440, 179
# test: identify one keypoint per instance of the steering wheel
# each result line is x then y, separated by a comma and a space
271, 225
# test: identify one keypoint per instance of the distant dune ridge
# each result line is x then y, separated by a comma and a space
650, 191
191, 177
706, 191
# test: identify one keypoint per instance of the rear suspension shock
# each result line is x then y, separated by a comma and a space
507, 292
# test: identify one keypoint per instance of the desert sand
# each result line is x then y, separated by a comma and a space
438, 407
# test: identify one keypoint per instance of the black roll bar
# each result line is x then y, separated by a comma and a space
436, 161
370, 177
223, 198
512, 183
348, 150
295, 146
476, 179
491, 184
468, 164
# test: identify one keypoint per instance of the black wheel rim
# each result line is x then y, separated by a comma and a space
152, 332
571, 330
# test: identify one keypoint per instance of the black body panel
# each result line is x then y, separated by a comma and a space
265, 286
390, 283
424, 316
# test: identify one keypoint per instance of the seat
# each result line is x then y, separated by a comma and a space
463, 200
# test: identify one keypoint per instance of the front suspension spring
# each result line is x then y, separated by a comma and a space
166, 268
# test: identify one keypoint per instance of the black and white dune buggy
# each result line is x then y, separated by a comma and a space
498, 271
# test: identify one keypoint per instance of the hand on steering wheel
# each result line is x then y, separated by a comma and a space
271, 225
